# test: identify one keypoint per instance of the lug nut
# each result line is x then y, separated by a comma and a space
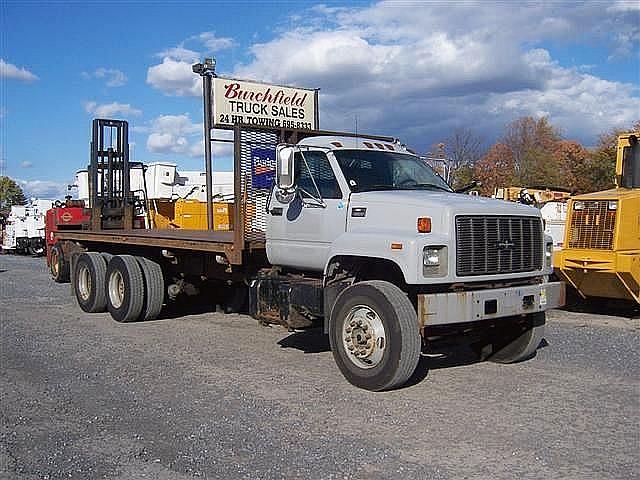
365, 327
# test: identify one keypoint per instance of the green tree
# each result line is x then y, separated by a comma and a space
533, 143
10, 194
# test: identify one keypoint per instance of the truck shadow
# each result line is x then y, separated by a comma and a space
437, 356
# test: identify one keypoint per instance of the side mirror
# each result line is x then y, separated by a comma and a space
284, 167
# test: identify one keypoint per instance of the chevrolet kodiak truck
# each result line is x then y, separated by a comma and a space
351, 232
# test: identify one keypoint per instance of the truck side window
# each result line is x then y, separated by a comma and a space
321, 171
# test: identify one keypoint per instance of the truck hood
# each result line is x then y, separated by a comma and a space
399, 209
452, 201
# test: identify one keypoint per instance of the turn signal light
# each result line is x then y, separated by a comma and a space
424, 225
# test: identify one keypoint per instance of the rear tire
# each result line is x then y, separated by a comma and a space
125, 288
374, 335
89, 282
153, 289
58, 266
518, 341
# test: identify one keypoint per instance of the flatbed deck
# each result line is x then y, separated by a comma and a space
196, 240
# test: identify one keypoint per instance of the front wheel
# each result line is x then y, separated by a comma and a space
517, 340
374, 335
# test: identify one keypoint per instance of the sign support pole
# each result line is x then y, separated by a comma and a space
207, 71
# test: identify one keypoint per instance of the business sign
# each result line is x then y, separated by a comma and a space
251, 103
263, 167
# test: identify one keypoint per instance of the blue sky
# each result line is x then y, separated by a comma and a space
413, 70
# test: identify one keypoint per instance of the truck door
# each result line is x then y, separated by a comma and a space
300, 231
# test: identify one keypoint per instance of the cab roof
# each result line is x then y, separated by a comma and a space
351, 143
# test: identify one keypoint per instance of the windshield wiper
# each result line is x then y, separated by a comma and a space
426, 185
367, 188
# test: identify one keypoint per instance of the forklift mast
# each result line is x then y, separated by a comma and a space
110, 198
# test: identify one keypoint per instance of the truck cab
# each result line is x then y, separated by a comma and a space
370, 220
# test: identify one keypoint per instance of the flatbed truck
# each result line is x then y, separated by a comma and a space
355, 233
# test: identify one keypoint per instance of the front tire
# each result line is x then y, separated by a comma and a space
374, 335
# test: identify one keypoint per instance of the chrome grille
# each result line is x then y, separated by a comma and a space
487, 245
593, 226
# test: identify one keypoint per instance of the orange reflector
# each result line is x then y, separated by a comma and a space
396, 246
424, 225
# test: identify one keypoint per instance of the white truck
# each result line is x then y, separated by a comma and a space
24, 229
351, 232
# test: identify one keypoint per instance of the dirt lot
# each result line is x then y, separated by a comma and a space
217, 396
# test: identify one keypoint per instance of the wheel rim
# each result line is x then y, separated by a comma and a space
54, 263
363, 337
84, 282
116, 289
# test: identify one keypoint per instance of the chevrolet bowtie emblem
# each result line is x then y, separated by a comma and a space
505, 245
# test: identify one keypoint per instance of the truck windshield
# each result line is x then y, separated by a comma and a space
379, 170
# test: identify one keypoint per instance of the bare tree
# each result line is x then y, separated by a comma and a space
463, 149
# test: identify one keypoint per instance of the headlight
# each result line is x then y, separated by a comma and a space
613, 205
434, 261
578, 205
548, 254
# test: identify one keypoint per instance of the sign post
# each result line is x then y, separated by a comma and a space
207, 71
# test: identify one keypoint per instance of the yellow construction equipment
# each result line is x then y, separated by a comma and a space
601, 254
190, 215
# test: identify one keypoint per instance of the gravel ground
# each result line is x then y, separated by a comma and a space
217, 396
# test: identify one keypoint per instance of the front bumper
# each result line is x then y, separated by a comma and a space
471, 306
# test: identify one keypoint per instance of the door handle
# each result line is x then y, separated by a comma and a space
276, 211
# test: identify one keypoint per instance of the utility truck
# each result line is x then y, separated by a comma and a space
348, 231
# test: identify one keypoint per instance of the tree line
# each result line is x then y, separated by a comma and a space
531, 153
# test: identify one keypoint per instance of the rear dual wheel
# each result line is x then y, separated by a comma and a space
58, 265
130, 288
89, 274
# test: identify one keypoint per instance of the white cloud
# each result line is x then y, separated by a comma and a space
419, 72
212, 43
111, 76
44, 188
174, 75
109, 110
178, 135
11, 72
26, 164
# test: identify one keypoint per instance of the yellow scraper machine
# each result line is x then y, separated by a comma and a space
601, 254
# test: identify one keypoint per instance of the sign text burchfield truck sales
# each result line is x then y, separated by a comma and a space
249, 103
